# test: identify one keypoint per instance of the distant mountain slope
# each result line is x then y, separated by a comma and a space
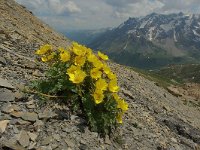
153, 41
85, 36
182, 73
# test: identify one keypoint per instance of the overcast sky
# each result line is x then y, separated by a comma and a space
93, 14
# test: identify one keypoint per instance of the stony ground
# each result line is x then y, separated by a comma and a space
156, 119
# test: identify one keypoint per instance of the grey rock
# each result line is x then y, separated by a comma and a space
46, 115
15, 129
107, 140
32, 136
32, 145
37, 73
29, 116
6, 95
7, 108
8, 144
3, 125
19, 95
47, 140
16, 114
24, 138
127, 93
69, 143
38, 123
30, 106
2, 60
73, 117
23, 122
57, 137
6, 84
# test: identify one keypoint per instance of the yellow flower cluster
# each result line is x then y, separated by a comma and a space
46, 53
84, 64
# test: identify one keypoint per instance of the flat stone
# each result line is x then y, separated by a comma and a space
15, 129
56, 137
31, 102
6, 95
16, 114
69, 143
29, 116
3, 125
19, 95
38, 123
7, 108
3, 60
9, 144
6, 84
37, 73
32, 145
24, 138
32, 136
46, 115
30, 106
127, 93
73, 117
107, 140
174, 91
23, 122
47, 140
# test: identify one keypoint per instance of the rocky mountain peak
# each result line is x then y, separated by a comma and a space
154, 40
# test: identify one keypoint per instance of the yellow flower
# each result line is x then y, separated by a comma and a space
79, 60
116, 96
98, 96
106, 69
78, 49
72, 69
98, 64
43, 49
119, 117
95, 73
44, 59
120, 102
122, 105
102, 56
113, 87
61, 49
91, 58
65, 56
111, 76
48, 58
88, 51
101, 84
77, 77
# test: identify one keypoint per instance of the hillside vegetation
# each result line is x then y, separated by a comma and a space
181, 73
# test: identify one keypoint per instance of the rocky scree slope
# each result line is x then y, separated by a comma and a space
153, 41
155, 120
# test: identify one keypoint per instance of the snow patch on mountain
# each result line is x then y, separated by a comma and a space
143, 24
151, 33
195, 33
131, 31
175, 39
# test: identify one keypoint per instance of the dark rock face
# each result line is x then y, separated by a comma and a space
155, 119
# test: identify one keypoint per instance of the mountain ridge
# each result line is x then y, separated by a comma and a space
155, 39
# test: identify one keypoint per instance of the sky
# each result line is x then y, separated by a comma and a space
65, 15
